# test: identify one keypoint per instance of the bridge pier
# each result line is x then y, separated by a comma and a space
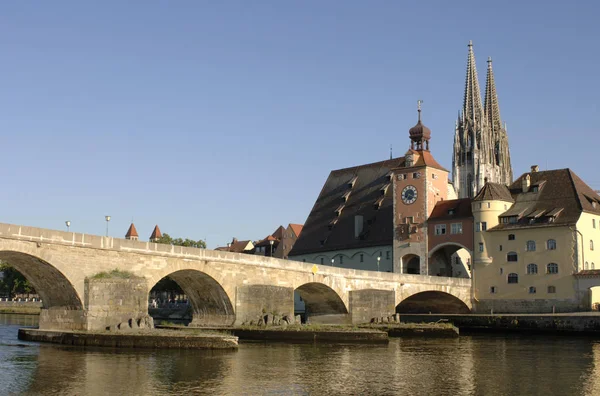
256, 301
370, 303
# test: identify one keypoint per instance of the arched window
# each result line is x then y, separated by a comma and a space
513, 278
530, 246
551, 289
586, 266
591, 244
552, 268
551, 244
512, 256
532, 290
593, 266
532, 269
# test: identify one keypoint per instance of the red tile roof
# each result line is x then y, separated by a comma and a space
297, 228
132, 232
452, 209
156, 234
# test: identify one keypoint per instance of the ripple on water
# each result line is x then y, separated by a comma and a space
468, 365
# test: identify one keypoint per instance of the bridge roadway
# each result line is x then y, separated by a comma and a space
223, 288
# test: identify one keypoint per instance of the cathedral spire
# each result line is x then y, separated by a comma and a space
492, 110
472, 108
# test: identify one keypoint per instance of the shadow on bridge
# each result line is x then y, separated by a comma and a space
432, 302
52, 285
208, 300
321, 304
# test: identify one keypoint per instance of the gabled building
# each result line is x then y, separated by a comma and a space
280, 242
375, 216
351, 223
238, 247
536, 244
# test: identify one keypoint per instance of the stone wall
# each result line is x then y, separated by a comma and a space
62, 319
529, 306
113, 300
368, 304
255, 301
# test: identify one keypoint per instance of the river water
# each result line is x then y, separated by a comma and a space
467, 365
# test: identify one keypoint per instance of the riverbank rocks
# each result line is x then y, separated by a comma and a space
386, 319
273, 320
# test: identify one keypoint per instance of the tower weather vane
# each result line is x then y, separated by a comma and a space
419, 102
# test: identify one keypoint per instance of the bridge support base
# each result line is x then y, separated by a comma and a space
371, 303
255, 301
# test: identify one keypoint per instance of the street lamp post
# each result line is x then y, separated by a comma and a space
68, 224
332, 262
271, 243
378, 260
107, 218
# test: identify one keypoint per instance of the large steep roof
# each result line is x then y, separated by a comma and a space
361, 190
555, 198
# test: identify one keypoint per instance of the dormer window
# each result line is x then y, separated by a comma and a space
389, 175
535, 189
451, 211
346, 196
352, 182
383, 189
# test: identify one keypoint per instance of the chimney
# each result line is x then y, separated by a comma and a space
358, 226
234, 241
534, 168
526, 182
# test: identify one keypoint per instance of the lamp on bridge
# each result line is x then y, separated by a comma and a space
107, 220
68, 223
378, 260
332, 261
271, 243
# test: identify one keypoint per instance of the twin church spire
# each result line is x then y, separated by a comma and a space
480, 141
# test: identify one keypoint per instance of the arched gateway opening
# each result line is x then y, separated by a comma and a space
432, 302
199, 298
411, 264
53, 287
451, 260
321, 304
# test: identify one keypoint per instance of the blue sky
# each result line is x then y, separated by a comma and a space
222, 119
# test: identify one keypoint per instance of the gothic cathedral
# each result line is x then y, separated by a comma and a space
480, 141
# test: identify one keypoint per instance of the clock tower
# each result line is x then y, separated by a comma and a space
418, 186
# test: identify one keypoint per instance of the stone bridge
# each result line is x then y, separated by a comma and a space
223, 288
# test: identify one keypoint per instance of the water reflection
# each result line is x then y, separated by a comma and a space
469, 365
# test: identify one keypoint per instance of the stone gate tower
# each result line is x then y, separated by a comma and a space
480, 139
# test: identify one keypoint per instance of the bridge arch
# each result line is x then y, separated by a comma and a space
211, 304
53, 286
433, 301
322, 303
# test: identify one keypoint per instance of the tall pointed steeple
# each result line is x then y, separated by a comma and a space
480, 142
472, 108
492, 110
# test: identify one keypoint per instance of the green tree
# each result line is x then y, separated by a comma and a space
167, 284
13, 282
168, 240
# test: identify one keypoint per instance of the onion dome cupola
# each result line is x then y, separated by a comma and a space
419, 134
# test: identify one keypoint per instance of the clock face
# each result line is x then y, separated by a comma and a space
409, 195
